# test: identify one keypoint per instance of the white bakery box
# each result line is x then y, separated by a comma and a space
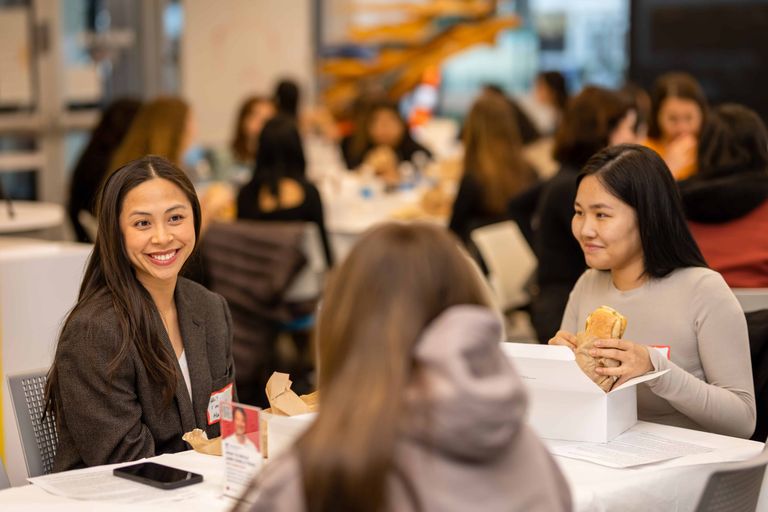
563, 403
280, 432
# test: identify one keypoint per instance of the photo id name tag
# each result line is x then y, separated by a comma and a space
214, 403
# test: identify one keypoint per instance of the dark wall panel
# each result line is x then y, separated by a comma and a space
723, 43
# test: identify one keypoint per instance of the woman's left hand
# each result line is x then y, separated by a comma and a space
634, 359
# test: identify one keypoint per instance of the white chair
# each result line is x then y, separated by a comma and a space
509, 259
309, 282
751, 299
735, 487
39, 438
89, 223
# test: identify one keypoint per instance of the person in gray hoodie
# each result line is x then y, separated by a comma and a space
419, 408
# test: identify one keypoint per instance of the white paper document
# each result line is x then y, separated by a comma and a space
101, 485
627, 450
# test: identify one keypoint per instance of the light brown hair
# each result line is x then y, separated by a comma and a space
396, 281
158, 129
586, 127
493, 152
244, 149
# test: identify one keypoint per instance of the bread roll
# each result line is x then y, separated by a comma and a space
602, 323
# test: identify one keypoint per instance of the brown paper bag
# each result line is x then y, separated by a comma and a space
282, 399
199, 441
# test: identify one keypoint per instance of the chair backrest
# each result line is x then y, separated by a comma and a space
757, 327
39, 438
734, 487
309, 282
509, 260
751, 299
89, 223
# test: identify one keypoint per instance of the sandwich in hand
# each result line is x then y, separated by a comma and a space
602, 323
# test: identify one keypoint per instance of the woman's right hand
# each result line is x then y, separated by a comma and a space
564, 338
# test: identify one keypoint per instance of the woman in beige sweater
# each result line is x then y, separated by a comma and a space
419, 408
644, 263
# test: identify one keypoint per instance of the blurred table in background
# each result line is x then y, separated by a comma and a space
353, 203
31, 218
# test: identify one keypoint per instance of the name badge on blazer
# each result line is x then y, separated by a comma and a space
214, 403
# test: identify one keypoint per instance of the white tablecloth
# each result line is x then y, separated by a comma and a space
352, 205
673, 485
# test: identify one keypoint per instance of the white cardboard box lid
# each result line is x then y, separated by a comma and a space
554, 367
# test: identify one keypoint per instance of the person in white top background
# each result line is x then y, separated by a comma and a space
645, 263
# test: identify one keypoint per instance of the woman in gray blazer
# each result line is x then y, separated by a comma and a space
145, 355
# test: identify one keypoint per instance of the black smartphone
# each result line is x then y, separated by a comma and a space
157, 475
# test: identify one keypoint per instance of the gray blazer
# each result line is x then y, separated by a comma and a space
121, 417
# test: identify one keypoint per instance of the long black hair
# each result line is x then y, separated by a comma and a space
110, 274
639, 177
280, 155
287, 96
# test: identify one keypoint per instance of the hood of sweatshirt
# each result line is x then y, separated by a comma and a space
465, 399
711, 200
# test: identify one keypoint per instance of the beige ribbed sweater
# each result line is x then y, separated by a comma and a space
692, 310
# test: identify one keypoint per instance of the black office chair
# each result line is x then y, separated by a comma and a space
757, 323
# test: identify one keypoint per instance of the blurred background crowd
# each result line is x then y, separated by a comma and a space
342, 113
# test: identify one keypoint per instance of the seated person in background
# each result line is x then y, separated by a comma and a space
641, 101
236, 162
678, 109
165, 127
726, 202
551, 91
407, 346
316, 120
594, 119
528, 131
286, 99
381, 142
644, 262
279, 189
494, 169
144, 351
94, 161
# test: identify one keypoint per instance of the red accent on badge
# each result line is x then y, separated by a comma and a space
664, 349
214, 403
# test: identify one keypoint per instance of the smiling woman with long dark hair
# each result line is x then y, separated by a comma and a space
628, 220
144, 352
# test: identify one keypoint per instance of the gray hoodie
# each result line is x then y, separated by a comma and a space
464, 443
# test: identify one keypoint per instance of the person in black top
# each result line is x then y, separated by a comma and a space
494, 169
95, 159
279, 189
594, 119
